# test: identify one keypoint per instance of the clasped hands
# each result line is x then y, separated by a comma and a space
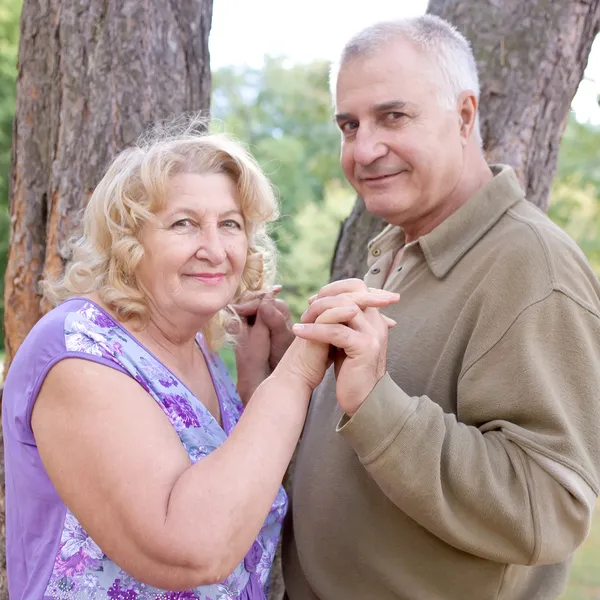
342, 325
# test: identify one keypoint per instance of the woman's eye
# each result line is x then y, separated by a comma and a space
182, 223
231, 224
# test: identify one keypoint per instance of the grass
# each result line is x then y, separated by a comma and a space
584, 583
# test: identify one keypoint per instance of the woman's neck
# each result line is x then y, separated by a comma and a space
171, 341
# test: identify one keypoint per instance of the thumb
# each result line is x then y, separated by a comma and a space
269, 313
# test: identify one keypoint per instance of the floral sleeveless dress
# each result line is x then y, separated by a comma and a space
81, 570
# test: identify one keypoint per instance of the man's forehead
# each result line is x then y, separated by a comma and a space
392, 86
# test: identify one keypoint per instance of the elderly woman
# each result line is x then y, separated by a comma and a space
133, 469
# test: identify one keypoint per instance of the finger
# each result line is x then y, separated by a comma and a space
255, 331
337, 334
283, 308
234, 327
364, 299
389, 322
270, 314
378, 320
358, 332
248, 308
258, 294
367, 322
339, 314
276, 312
339, 287
248, 305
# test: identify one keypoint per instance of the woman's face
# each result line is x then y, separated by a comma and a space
195, 252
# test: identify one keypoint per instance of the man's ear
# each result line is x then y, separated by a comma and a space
467, 106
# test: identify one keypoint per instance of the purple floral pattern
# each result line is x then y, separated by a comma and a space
81, 570
177, 407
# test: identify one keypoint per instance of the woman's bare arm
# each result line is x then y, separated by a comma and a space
119, 465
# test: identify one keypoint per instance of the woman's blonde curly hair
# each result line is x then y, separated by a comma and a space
105, 257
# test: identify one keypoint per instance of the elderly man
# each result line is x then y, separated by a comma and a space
470, 469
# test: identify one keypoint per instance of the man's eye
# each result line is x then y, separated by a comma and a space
394, 116
349, 126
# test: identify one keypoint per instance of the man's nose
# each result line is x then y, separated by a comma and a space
368, 147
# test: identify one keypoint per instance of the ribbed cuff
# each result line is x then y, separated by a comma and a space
378, 420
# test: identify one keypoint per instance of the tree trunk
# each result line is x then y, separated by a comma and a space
91, 75
531, 57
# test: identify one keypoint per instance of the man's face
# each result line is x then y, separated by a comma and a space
401, 151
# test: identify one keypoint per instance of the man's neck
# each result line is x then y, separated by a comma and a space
469, 184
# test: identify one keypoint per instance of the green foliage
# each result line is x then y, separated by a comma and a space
575, 198
284, 114
579, 152
575, 206
584, 582
227, 354
305, 268
10, 11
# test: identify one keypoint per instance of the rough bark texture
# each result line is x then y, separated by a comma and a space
531, 57
91, 75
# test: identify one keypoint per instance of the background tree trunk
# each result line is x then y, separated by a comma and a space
531, 57
91, 75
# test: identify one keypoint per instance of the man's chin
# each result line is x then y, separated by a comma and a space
385, 207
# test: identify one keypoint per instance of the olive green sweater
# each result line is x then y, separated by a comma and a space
472, 469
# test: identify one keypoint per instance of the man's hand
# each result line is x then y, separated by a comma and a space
362, 342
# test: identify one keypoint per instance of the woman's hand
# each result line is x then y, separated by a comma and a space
265, 335
361, 340
275, 314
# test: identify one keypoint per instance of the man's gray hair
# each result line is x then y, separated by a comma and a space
452, 61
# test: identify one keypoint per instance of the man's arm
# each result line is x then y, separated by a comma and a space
513, 477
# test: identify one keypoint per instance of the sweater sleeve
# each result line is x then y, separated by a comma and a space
513, 477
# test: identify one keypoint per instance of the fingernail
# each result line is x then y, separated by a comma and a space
312, 298
276, 288
297, 327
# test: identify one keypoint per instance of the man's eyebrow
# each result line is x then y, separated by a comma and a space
342, 117
391, 105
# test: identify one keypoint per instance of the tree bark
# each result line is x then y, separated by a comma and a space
91, 75
531, 57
